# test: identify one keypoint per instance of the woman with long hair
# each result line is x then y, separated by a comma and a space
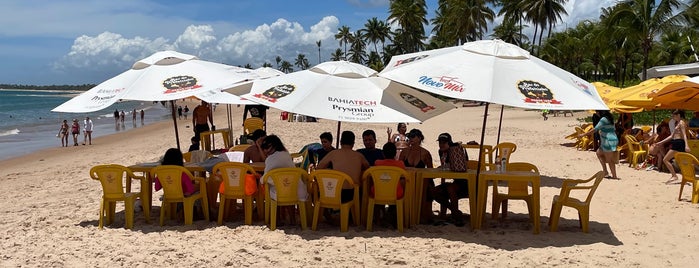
400, 139
678, 143
608, 142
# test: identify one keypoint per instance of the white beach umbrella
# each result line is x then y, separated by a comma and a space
343, 91
494, 71
164, 76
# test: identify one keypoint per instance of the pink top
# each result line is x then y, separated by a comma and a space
187, 185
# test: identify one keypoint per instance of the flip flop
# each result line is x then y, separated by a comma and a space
672, 181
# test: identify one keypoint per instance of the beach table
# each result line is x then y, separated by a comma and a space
493, 176
418, 190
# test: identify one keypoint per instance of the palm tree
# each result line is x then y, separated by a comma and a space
512, 11
344, 35
337, 55
301, 62
267, 64
376, 31
318, 44
278, 59
642, 20
248, 66
509, 32
286, 67
543, 14
357, 53
410, 15
460, 21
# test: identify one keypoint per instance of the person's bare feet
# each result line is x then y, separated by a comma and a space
672, 180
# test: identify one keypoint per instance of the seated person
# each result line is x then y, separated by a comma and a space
348, 161
254, 153
195, 144
173, 156
279, 157
448, 194
418, 157
370, 152
657, 150
389, 152
326, 140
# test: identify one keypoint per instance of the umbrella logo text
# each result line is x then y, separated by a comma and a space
276, 92
416, 102
445, 83
535, 92
409, 60
180, 83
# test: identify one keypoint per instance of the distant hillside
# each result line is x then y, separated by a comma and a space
51, 87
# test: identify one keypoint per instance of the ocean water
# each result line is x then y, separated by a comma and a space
27, 123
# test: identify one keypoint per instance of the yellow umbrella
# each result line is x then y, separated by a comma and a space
635, 98
679, 95
605, 90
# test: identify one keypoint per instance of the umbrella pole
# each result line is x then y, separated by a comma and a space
174, 120
337, 138
480, 150
502, 110
229, 117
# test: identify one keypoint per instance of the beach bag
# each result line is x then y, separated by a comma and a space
250, 185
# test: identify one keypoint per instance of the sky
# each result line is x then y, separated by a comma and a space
74, 42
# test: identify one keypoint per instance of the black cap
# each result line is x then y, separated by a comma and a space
444, 137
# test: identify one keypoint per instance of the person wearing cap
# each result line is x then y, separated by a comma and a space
418, 157
447, 194
254, 153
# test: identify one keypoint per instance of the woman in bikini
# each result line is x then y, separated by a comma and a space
418, 157
400, 139
678, 142
63, 133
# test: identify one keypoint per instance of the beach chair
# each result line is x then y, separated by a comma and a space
385, 180
304, 155
329, 195
286, 182
170, 178
583, 207
112, 178
515, 190
503, 151
251, 124
234, 184
688, 164
583, 143
636, 153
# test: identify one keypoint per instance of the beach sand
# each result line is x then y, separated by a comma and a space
50, 209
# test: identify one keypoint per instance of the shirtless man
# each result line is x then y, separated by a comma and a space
348, 161
200, 116
254, 153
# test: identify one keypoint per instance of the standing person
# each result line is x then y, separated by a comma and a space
185, 112
179, 112
595, 119
454, 157
87, 130
122, 116
400, 139
608, 142
133, 117
143, 114
678, 143
116, 117
418, 157
200, 116
75, 131
370, 152
63, 133
256, 110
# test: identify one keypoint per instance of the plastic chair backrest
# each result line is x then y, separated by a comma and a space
233, 177
330, 184
569, 185
504, 150
486, 155
112, 179
515, 188
251, 124
633, 144
170, 177
385, 180
196, 156
305, 153
239, 148
687, 163
286, 182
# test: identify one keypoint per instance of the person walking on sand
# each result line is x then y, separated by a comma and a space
116, 116
678, 143
608, 142
87, 129
185, 112
63, 133
200, 116
142, 115
133, 117
75, 131
122, 116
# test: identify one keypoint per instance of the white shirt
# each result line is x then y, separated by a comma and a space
87, 123
282, 159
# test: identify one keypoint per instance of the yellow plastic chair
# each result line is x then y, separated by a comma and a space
304, 155
329, 185
196, 156
515, 190
504, 150
636, 152
583, 143
286, 182
170, 178
486, 155
251, 124
239, 148
233, 180
112, 178
564, 199
385, 180
688, 163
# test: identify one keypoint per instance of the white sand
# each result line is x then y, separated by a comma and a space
50, 210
